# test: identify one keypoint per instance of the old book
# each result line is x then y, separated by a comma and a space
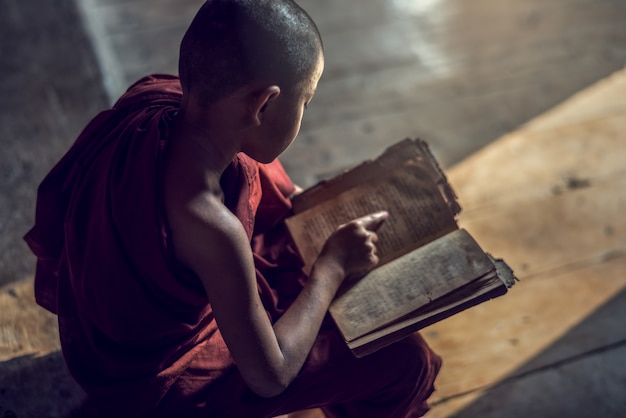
429, 268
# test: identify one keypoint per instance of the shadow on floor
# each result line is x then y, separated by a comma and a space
579, 376
38, 387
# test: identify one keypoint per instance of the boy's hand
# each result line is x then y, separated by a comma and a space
353, 245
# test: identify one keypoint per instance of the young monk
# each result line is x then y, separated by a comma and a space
161, 246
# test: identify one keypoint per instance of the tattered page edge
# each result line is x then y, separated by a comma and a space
442, 181
504, 272
394, 156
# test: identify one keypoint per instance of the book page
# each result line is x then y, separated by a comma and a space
409, 283
418, 213
414, 150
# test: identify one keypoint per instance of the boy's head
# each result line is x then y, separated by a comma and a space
231, 43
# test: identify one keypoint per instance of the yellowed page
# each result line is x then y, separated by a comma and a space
418, 213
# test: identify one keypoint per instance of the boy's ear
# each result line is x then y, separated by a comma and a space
259, 102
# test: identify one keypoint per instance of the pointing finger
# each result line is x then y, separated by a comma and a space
373, 221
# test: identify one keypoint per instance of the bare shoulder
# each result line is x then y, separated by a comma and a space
205, 233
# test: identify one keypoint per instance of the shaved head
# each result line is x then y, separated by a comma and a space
231, 43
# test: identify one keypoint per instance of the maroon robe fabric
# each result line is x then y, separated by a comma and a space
136, 328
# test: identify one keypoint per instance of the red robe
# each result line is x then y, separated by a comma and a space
136, 327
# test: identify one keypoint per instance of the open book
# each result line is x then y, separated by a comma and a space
429, 268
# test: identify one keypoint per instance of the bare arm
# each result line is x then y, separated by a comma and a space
212, 242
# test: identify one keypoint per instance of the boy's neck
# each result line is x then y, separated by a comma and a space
210, 149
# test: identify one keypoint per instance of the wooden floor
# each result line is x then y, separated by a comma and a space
550, 198
523, 102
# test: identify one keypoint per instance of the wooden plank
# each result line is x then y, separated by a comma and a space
549, 199
25, 328
396, 87
585, 387
544, 162
374, 92
34, 380
488, 343
454, 128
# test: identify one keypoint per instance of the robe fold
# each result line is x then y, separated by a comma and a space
136, 327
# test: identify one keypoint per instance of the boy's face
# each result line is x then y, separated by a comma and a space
283, 116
